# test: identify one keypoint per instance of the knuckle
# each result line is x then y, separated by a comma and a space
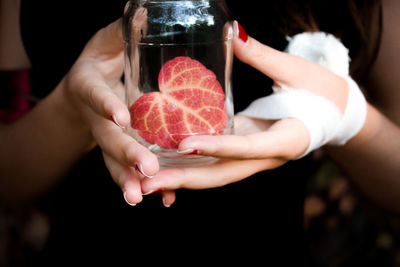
218, 147
119, 179
129, 152
250, 148
90, 96
247, 146
256, 53
259, 52
108, 104
180, 180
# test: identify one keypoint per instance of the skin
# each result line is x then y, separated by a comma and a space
86, 109
259, 144
371, 159
78, 116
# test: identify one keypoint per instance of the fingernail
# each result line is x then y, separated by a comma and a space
131, 204
139, 169
241, 33
114, 118
189, 151
165, 205
153, 192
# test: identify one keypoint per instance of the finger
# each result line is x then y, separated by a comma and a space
123, 148
216, 175
286, 69
278, 65
99, 97
126, 178
287, 139
168, 197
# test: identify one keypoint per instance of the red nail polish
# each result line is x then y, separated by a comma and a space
194, 152
189, 151
242, 33
157, 191
153, 192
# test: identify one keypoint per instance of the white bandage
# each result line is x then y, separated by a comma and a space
323, 119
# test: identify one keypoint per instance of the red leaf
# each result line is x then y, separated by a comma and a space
190, 102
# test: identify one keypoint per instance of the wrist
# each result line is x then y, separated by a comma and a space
370, 128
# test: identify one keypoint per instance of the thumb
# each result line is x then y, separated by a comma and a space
106, 42
279, 66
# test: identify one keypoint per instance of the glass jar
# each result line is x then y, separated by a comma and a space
178, 62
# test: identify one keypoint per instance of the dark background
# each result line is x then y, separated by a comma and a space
306, 211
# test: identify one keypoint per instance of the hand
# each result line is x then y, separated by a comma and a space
94, 88
258, 144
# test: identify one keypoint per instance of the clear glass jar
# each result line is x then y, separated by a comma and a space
178, 62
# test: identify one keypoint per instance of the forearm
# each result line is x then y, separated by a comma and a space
372, 160
39, 148
12, 52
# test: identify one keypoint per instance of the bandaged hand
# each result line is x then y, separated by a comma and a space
320, 111
312, 105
